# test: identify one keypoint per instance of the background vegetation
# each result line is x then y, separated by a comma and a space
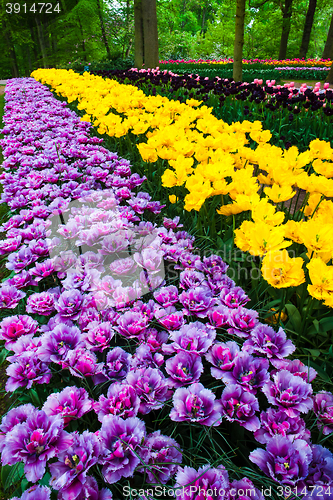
93, 30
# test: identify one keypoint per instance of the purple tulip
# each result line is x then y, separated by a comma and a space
320, 469
222, 355
196, 404
121, 400
265, 340
71, 403
14, 327
150, 259
242, 322
82, 363
278, 423
98, 336
219, 316
10, 245
184, 368
123, 267
58, 342
249, 372
244, 490
21, 259
289, 392
26, 371
34, 442
41, 303
194, 337
190, 279
167, 296
10, 296
191, 483
212, 265
69, 304
144, 357
197, 301
323, 409
69, 473
117, 363
217, 283
15, 416
132, 324
284, 461
162, 455
22, 280
296, 367
42, 269
240, 406
35, 492
120, 440
170, 318
234, 297
151, 386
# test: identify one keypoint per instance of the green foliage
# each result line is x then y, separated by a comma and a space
100, 66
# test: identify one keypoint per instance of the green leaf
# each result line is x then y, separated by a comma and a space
294, 316
34, 397
11, 474
314, 352
8, 277
326, 324
45, 481
24, 484
320, 371
3, 355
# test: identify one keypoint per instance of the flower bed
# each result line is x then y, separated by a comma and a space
301, 114
112, 344
263, 62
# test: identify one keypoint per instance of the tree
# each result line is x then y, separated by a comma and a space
239, 40
146, 34
307, 28
11, 49
328, 50
101, 20
286, 25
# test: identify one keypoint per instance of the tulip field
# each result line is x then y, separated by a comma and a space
167, 286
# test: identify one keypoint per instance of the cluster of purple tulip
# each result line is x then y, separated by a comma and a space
121, 317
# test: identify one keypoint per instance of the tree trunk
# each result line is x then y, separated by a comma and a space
307, 28
28, 52
138, 34
128, 48
286, 24
150, 34
103, 29
328, 50
11, 50
239, 40
41, 41
35, 45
